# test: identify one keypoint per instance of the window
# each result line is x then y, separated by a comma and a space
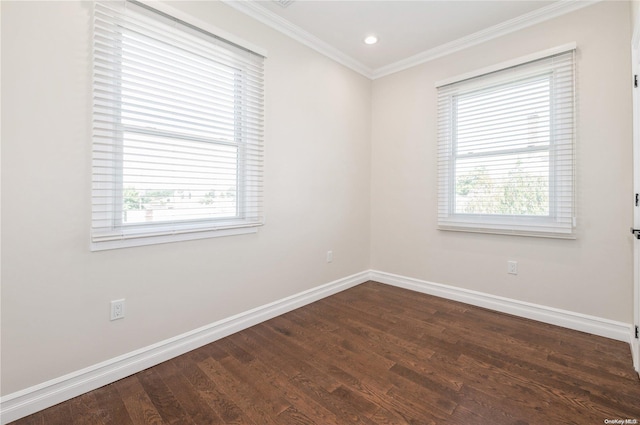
177, 130
506, 148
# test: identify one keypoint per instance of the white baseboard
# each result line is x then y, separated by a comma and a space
568, 319
30, 400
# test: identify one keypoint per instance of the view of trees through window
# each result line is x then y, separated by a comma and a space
520, 194
502, 139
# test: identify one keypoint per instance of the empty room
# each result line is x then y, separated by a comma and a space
319, 212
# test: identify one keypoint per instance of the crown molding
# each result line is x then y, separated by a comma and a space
267, 17
535, 17
264, 15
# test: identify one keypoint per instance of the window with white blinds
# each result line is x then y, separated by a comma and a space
177, 130
506, 143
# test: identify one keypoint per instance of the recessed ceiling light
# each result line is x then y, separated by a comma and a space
371, 39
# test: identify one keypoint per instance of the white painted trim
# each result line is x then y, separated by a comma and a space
577, 321
546, 13
635, 355
169, 238
267, 17
635, 69
30, 400
264, 15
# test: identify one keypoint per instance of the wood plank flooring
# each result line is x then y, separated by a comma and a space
376, 354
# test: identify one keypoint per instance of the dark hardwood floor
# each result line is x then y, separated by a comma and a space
376, 354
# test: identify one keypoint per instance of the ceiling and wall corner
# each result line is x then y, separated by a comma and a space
328, 27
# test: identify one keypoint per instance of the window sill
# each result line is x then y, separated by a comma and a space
509, 232
162, 239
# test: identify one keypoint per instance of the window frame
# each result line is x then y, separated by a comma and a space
554, 224
112, 231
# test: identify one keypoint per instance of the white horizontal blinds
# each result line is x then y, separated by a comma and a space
506, 150
177, 127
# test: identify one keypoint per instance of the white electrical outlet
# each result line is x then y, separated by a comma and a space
117, 309
329, 256
512, 267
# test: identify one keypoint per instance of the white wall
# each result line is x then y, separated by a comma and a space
591, 275
55, 293
635, 15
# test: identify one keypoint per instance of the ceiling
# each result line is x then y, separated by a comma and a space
404, 28
409, 32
